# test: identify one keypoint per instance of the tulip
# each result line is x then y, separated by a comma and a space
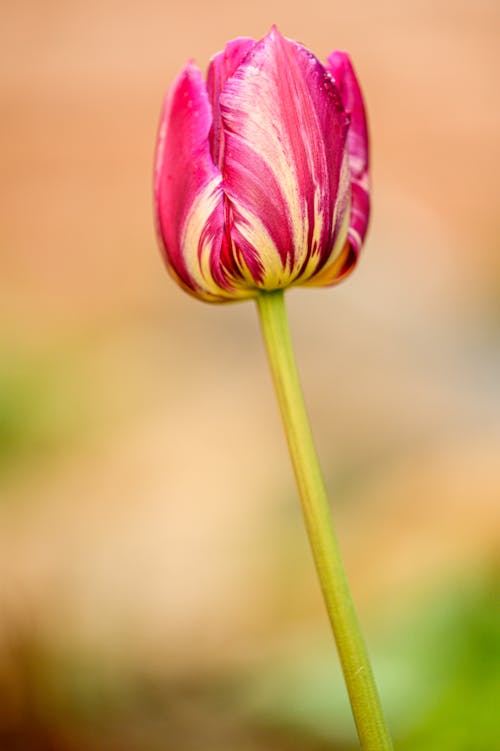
261, 175
261, 183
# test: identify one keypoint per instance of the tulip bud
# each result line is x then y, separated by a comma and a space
261, 176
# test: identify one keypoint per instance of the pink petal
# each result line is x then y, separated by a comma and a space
284, 136
188, 194
342, 71
222, 66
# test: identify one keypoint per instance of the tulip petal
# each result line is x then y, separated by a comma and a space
189, 200
222, 66
283, 163
342, 71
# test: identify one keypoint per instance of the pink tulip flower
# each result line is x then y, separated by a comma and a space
261, 175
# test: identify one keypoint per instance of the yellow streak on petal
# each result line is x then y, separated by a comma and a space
308, 277
255, 232
338, 256
197, 254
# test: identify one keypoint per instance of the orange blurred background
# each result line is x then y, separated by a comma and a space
157, 591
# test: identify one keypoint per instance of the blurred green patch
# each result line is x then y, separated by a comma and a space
454, 648
41, 408
438, 671
86, 387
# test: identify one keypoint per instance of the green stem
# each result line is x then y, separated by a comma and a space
368, 716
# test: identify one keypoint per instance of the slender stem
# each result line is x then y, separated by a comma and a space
368, 716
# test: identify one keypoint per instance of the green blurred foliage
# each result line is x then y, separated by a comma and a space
456, 654
40, 410
438, 670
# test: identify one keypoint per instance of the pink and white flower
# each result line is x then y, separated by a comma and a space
261, 176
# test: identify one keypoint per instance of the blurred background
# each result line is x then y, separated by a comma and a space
156, 588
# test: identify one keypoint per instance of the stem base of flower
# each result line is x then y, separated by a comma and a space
363, 695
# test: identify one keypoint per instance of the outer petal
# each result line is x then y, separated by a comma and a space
188, 190
222, 66
342, 71
284, 136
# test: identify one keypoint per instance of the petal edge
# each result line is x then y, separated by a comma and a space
187, 188
340, 66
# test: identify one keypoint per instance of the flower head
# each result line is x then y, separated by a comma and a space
261, 175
